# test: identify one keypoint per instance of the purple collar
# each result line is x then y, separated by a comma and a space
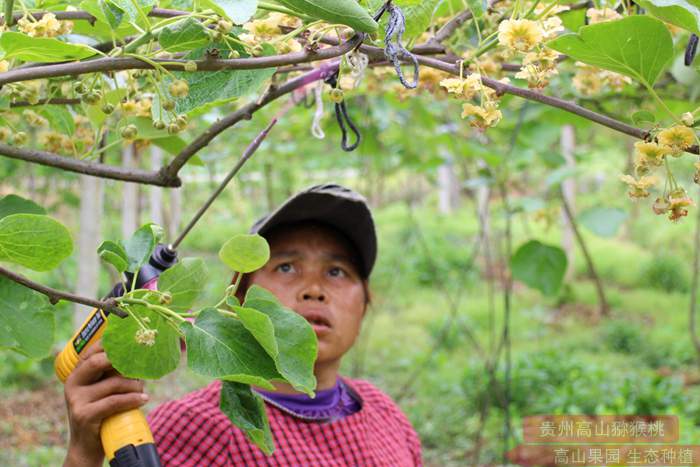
328, 405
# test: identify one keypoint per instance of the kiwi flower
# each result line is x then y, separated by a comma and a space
678, 200
467, 88
601, 15
520, 34
484, 116
651, 153
638, 188
678, 138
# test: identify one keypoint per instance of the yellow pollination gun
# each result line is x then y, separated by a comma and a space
126, 437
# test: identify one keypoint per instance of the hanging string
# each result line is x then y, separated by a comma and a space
691, 49
394, 49
344, 121
358, 63
316, 129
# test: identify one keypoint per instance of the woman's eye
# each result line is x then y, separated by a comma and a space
284, 267
336, 272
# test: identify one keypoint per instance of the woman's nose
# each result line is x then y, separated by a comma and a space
312, 290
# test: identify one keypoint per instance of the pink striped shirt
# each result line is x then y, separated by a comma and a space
192, 431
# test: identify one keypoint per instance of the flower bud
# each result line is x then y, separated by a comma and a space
181, 121
190, 66
166, 298
19, 139
146, 337
336, 95
173, 128
169, 105
159, 125
129, 132
92, 97
179, 88
79, 88
224, 27
108, 108
687, 119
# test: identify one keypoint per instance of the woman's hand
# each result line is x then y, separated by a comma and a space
94, 391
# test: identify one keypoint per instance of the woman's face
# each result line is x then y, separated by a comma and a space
310, 271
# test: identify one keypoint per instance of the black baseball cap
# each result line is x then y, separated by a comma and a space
335, 205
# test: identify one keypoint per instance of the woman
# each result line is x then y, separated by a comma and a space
323, 247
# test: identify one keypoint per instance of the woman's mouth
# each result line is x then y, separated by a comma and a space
318, 323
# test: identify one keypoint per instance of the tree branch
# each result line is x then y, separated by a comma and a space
85, 16
244, 113
503, 88
109, 305
88, 168
128, 63
53, 101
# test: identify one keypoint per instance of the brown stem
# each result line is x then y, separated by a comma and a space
108, 305
602, 301
244, 113
247, 154
503, 88
88, 168
129, 63
85, 16
694, 286
54, 101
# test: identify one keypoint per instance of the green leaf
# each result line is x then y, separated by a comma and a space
34, 241
173, 145
140, 246
636, 46
13, 204
681, 13
418, 18
59, 118
558, 175
136, 360
643, 116
245, 253
286, 336
26, 320
114, 254
136, 10
238, 11
220, 346
603, 221
41, 49
113, 14
347, 12
185, 282
182, 36
246, 410
477, 7
210, 89
539, 266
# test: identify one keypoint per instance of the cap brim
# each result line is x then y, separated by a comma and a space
346, 211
